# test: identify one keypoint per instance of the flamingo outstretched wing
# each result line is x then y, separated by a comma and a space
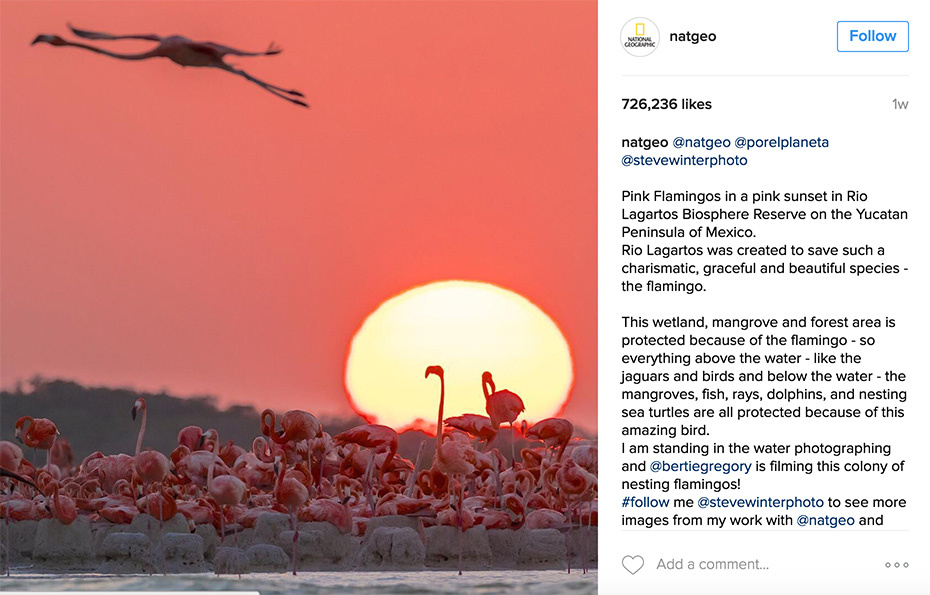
106, 36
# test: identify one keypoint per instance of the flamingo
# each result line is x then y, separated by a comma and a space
296, 426
252, 469
338, 514
502, 406
576, 484
451, 456
291, 493
227, 490
16, 476
230, 453
378, 438
62, 455
191, 437
40, 434
151, 466
180, 50
11, 455
554, 431
478, 426
166, 507
62, 507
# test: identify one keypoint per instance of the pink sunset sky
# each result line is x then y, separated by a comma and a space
183, 229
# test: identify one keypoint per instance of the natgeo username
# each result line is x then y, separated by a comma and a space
658, 104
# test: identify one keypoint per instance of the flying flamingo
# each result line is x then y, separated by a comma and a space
40, 434
291, 493
180, 50
150, 465
452, 455
502, 406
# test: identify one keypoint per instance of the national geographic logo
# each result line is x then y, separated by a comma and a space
640, 37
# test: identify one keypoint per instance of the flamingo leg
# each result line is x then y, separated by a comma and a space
161, 531
273, 89
499, 500
368, 474
584, 559
294, 551
568, 551
236, 539
222, 526
413, 474
9, 550
513, 456
461, 523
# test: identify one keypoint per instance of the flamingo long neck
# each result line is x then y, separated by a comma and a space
485, 383
23, 426
269, 427
210, 477
142, 56
141, 428
442, 401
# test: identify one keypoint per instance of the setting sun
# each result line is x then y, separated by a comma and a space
466, 327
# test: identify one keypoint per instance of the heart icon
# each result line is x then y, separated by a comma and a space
633, 564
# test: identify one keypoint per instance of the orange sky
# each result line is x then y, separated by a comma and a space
183, 229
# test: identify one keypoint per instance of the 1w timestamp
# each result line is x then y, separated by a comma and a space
665, 104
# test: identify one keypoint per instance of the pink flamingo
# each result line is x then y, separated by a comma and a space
230, 453
379, 439
227, 490
451, 456
11, 456
151, 466
39, 434
291, 493
554, 431
62, 507
166, 504
502, 406
477, 426
338, 514
251, 467
191, 437
576, 484
180, 50
296, 426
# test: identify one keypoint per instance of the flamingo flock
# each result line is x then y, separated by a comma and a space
295, 467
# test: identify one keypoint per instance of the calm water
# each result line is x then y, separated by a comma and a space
484, 582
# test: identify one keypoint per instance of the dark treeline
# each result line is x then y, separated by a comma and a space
99, 418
